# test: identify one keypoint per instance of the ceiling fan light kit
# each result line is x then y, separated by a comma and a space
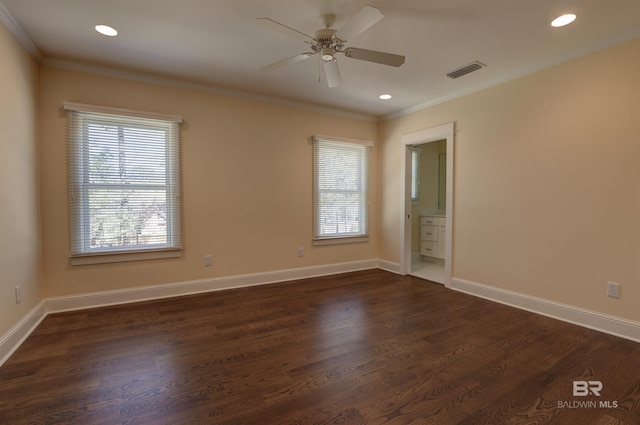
328, 41
327, 54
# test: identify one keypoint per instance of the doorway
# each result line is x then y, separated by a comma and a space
432, 218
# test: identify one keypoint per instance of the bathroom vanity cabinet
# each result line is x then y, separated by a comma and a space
432, 236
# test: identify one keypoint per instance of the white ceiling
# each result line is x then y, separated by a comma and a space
219, 44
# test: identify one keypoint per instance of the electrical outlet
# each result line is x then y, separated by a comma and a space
18, 294
208, 260
300, 252
613, 289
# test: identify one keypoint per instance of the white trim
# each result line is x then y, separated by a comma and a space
10, 341
29, 45
145, 293
617, 326
209, 88
206, 88
427, 135
444, 131
84, 107
321, 138
389, 266
14, 27
123, 256
340, 240
516, 74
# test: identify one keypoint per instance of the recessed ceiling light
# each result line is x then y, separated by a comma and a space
563, 20
385, 96
106, 30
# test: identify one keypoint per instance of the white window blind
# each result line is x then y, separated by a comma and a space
124, 181
341, 177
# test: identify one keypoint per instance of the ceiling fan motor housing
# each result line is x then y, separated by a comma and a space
325, 37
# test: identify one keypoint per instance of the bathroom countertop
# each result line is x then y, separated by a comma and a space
438, 213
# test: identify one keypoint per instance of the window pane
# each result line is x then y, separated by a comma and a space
127, 218
125, 155
340, 169
340, 213
415, 174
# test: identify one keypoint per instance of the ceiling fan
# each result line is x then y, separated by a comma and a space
327, 41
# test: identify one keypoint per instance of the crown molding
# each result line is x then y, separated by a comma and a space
15, 28
574, 54
17, 31
207, 88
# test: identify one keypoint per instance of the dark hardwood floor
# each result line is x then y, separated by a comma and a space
368, 347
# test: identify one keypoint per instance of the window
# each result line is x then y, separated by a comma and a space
415, 173
341, 189
124, 183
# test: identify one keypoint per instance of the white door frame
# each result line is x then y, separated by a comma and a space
445, 131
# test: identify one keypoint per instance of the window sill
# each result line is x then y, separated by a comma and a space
340, 240
123, 256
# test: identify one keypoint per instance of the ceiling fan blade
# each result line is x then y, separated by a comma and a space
281, 28
287, 61
361, 22
374, 56
332, 72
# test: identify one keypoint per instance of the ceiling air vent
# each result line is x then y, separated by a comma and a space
473, 66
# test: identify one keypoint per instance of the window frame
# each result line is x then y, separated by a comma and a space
79, 187
340, 238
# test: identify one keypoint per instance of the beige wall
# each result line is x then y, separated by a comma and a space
546, 183
247, 184
546, 191
20, 259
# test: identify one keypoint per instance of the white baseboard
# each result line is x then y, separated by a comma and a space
10, 341
18, 333
617, 326
388, 266
146, 293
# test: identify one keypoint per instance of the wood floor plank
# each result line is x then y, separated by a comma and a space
368, 347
